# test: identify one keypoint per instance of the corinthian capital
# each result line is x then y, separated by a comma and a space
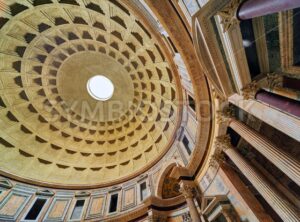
250, 90
224, 115
216, 159
228, 15
223, 143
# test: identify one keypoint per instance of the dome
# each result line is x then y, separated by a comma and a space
149, 110
54, 130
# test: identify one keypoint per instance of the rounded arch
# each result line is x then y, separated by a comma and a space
161, 177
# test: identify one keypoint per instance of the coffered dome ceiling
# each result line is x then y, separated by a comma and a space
51, 130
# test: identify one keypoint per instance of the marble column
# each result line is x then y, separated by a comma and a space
281, 121
187, 191
283, 160
255, 8
291, 94
277, 101
245, 199
285, 210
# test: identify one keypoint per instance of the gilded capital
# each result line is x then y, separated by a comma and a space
228, 15
223, 143
216, 159
250, 90
224, 115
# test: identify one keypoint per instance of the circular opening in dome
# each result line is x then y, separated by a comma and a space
100, 88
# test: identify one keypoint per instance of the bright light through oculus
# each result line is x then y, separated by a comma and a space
100, 88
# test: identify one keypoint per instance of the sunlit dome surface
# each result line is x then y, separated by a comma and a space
53, 128
100, 88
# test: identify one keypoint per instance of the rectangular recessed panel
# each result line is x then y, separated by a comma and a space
12, 205
58, 209
97, 205
129, 197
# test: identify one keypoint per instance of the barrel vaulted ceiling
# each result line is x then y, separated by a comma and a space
51, 130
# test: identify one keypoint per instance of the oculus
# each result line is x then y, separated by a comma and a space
100, 88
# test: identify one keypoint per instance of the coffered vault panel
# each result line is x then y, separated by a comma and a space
51, 130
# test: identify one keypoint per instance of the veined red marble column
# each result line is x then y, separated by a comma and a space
255, 8
282, 103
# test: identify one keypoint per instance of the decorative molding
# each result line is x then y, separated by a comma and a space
5, 183
208, 48
82, 194
45, 193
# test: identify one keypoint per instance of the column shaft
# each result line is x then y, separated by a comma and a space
187, 190
281, 121
245, 198
193, 210
286, 211
255, 8
285, 92
282, 103
284, 161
